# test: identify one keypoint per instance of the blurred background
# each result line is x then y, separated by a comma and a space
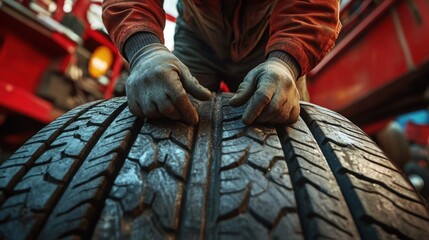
55, 55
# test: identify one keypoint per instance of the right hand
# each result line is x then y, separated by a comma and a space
157, 83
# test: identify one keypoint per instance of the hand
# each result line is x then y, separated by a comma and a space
273, 95
157, 83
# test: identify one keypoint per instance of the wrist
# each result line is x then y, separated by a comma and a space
289, 60
136, 42
148, 52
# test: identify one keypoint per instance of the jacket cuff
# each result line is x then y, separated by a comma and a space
137, 41
289, 60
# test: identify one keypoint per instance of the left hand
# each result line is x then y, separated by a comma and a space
272, 91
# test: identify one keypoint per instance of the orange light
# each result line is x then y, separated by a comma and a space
100, 61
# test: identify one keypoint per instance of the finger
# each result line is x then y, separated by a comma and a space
168, 109
258, 102
150, 110
134, 107
192, 86
288, 117
275, 108
246, 89
294, 114
133, 97
281, 116
187, 110
180, 99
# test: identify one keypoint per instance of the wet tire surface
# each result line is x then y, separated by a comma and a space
100, 172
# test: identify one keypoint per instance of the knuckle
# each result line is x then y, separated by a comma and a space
134, 109
175, 87
147, 110
293, 118
167, 109
274, 110
158, 72
284, 116
262, 97
179, 97
288, 83
294, 114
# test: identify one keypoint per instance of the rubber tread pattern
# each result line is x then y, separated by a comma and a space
100, 172
23, 159
254, 173
38, 190
82, 201
146, 199
322, 207
371, 185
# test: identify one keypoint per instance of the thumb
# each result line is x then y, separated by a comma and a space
245, 90
193, 87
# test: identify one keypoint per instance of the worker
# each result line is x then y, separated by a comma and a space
259, 48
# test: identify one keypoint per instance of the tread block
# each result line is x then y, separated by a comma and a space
367, 180
100, 172
252, 175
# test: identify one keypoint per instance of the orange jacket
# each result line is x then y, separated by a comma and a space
307, 30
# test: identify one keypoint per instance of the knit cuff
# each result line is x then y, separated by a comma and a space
138, 41
289, 60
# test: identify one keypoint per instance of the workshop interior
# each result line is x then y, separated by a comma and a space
74, 162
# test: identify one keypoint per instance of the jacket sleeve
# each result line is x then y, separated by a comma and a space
307, 30
125, 18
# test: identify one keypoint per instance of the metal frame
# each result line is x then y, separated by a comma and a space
378, 68
23, 61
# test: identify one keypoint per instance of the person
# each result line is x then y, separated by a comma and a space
259, 48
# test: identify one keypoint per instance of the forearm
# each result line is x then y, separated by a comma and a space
306, 31
123, 19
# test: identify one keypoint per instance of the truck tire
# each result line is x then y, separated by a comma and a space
99, 172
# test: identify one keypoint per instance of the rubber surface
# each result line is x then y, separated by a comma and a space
100, 172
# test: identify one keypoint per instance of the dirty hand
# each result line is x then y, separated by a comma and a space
158, 84
273, 95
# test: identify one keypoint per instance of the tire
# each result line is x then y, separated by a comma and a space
100, 172
393, 142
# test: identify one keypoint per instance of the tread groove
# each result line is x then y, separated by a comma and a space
242, 160
84, 153
379, 183
195, 204
213, 202
315, 215
309, 179
104, 173
386, 228
187, 186
243, 206
343, 167
393, 202
46, 145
